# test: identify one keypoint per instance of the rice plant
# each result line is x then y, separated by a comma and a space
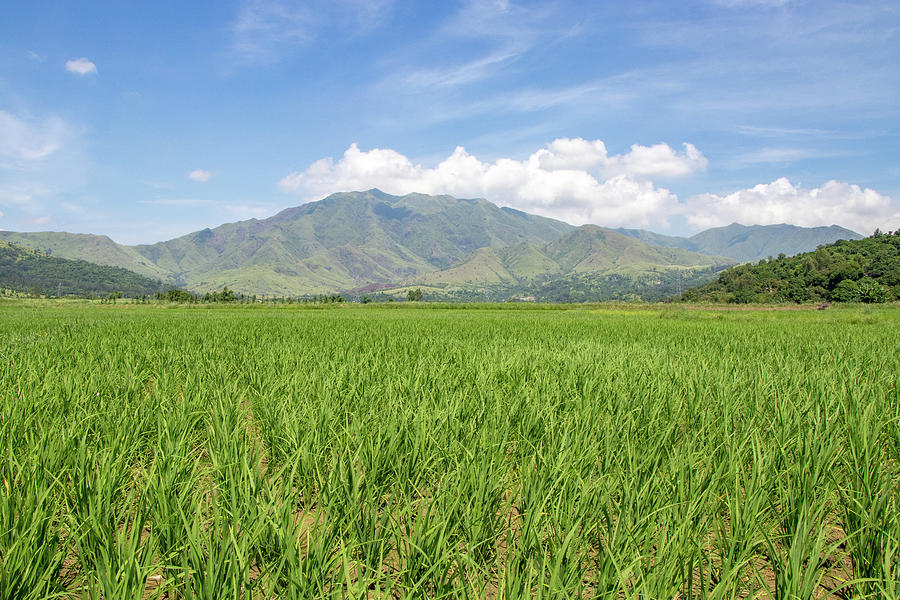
396, 452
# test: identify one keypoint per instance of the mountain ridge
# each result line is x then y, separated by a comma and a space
749, 242
372, 240
27, 270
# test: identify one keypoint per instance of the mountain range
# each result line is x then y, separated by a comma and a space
358, 241
749, 242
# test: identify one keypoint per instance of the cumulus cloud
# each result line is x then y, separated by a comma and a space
579, 181
571, 179
658, 160
200, 175
782, 202
81, 66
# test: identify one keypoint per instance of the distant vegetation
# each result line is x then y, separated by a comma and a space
33, 272
866, 270
646, 286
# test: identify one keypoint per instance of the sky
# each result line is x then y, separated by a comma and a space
146, 121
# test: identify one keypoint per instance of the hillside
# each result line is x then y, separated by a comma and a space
749, 243
587, 250
345, 241
32, 271
865, 270
97, 249
362, 241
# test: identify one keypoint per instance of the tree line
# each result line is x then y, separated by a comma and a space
866, 270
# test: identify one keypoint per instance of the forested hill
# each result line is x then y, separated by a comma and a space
32, 271
866, 270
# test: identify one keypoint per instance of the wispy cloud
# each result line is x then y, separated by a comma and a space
39, 221
26, 199
26, 142
81, 66
232, 210
782, 131
187, 202
21, 195
264, 28
781, 156
506, 30
459, 74
265, 31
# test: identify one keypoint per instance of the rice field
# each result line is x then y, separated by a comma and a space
416, 452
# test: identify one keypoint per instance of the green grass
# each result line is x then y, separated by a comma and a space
409, 452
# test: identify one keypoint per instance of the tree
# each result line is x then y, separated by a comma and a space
414, 295
870, 291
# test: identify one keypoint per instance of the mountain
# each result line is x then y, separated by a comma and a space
27, 270
345, 241
97, 249
585, 250
865, 270
363, 241
749, 243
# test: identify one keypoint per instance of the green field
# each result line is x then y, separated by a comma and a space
414, 451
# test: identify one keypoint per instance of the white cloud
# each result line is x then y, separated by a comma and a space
23, 143
80, 66
571, 179
181, 202
782, 202
782, 131
578, 181
200, 175
21, 195
42, 220
234, 210
262, 26
460, 74
264, 30
658, 159
780, 155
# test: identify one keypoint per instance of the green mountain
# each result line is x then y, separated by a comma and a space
364, 241
587, 264
749, 243
345, 241
32, 271
585, 250
865, 270
97, 249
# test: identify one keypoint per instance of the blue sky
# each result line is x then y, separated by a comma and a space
148, 122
